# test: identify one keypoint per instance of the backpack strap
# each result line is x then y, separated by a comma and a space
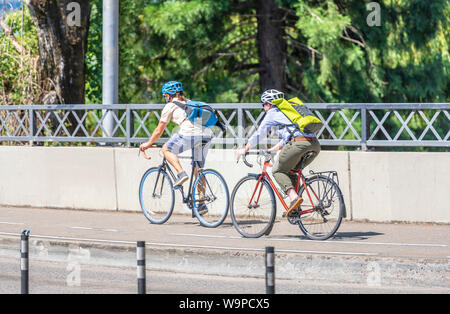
288, 126
181, 105
185, 107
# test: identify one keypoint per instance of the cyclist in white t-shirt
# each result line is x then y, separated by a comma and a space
190, 134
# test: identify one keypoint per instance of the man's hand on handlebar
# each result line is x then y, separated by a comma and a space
276, 148
267, 155
239, 153
143, 147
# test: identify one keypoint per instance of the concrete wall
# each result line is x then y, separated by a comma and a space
377, 186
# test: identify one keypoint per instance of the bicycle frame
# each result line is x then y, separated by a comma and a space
187, 199
300, 180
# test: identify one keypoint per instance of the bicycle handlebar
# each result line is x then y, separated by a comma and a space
145, 155
246, 162
265, 153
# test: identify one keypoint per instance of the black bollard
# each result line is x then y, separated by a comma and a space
140, 252
24, 261
270, 270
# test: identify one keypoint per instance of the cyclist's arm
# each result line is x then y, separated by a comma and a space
266, 125
155, 136
277, 147
262, 131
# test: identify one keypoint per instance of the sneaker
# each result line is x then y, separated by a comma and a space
202, 209
181, 178
294, 205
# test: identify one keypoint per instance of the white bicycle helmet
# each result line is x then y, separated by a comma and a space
272, 94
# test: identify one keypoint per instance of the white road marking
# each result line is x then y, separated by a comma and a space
328, 241
95, 229
11, 223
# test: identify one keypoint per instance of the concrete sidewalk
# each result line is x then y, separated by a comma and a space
365, 253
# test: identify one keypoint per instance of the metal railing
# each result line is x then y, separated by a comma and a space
358, 125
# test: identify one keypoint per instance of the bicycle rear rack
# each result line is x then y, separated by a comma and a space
332, 175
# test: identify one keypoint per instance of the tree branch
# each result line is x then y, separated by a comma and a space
12, 38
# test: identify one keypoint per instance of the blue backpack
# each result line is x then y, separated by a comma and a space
201, 113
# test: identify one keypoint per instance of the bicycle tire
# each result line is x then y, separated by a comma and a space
308, 223
216, 215
165, 206
242, 216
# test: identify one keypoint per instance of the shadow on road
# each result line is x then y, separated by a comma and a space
344, 235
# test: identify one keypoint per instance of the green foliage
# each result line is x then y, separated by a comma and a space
332, 54
185, 41
403, 60
18, 71
94, 55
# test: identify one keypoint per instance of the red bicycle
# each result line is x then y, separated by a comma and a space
254, 207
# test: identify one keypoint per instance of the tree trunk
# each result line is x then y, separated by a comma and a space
271, 45
62, 27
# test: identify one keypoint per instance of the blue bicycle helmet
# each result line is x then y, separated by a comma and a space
172, 88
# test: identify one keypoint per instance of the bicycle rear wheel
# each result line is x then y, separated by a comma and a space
323, 221
253, 207
210, 192
156, 195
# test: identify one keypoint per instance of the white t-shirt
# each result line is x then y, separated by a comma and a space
172, 112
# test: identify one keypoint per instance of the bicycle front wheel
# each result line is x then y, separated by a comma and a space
211, 198
322, 208
156, 195
253, 207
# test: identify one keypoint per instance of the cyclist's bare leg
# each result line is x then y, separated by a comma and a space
292, 194
201, 185
172, 159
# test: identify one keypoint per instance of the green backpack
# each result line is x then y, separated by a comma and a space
300, 115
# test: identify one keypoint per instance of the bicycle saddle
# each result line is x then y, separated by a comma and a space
308, 155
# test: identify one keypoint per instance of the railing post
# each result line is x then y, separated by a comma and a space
24, 261
129, 126
270, 270
240, 127
140, 252
32, 125
241, 141
364, 129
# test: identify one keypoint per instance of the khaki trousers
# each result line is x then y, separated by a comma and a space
289, 158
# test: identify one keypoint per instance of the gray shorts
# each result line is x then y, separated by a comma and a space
180, 143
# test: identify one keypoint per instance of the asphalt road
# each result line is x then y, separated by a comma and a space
55, 278
83, 251
352, 239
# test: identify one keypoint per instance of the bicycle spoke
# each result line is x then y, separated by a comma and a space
324, 220
210, 194
156, 196
253, 207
